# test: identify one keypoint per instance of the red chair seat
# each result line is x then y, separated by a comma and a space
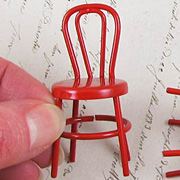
85, 88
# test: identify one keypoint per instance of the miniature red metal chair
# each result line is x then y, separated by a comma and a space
92, 87
173, 122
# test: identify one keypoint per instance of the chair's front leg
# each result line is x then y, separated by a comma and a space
74, 129
55, 158
56, 149
122, 136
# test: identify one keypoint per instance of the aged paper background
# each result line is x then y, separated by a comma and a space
148, 59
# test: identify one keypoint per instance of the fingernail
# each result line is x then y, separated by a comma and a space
46, 123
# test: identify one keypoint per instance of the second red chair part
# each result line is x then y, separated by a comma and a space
172, 122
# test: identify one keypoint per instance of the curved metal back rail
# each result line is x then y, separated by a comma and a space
86, 9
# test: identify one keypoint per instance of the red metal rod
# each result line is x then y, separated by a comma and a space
174, 122
55, 160
56, 149
173, 174
173, 91
171, 153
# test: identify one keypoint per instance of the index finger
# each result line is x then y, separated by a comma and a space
15, 83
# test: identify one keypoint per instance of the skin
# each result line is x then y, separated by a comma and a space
29, 124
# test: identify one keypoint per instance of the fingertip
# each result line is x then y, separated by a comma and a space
46, 123
17, 84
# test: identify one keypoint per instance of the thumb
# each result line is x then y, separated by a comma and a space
27, 128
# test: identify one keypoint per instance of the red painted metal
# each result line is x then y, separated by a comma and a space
56, 149
172, 122
89, 88
173, 174
171, 153
173, 91
91, 136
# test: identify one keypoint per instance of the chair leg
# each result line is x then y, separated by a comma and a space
56, 150
122, 137
55, 159
74, 129
127, 147
174, 122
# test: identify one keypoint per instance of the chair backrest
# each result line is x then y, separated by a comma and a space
98, 9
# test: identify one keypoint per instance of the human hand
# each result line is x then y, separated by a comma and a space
29, 124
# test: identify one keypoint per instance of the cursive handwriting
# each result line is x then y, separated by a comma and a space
178, 87
36, 44
113, 3
82, 112
70, 74
47, 12
23, 6
167, 137
45, 20
159, 169
170, 36
15, 36
49, 65
153, 72
55, 49
113, 174
147, 127
67, 170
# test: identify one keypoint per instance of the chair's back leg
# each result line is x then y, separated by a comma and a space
122, 136
74, 129
127, 147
